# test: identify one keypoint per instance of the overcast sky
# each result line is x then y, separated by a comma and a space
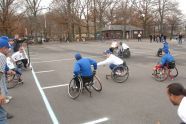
182, 4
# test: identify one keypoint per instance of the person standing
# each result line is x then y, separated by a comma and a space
150, 36
180, 38
3, 113
4, 49
139, 37
177, 95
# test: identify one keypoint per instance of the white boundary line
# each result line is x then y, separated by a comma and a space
57, 60
97, 121
44, 71
49, 87
35, 58
47, 104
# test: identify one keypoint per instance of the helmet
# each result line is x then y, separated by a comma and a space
77, 56
107, 52
4, 42
5, 38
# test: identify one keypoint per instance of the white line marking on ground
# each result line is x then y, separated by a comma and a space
33, 55
97, 121
57, 60
49, 87
47, 104
35, 58
38, 72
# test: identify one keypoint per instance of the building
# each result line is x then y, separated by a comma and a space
120, 31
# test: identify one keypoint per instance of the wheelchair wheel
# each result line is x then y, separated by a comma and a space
161, 74
11, 81
174, 72
96, 84
126, 54
73, 90
120, 74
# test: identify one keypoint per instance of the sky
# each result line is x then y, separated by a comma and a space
182, 4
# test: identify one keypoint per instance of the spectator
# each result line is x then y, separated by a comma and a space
20, 56
180, 38
177, 95
17, 43
139, 37
150, 36
4, 98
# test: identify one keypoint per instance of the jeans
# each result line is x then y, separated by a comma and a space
112, 66
3, 116
3, 87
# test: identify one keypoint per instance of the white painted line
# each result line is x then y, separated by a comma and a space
54, 60
33, 55
47, 104
35, 58
44, 71
58, 60
97, 121
49, 87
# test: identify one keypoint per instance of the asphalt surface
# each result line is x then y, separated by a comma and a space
140, 100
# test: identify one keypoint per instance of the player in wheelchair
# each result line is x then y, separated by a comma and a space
119, 69
82, 68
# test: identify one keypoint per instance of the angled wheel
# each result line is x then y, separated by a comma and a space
120, 74
161, 74
96, 84
174, 72
11, 81
73, 90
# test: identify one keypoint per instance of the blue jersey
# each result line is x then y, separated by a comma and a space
83, 67
165, 46
166, 59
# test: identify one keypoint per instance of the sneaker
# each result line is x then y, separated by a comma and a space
9, 116
9, 97
7, 101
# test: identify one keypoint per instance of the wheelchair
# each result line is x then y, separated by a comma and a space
120, 73
74, 91
159, 52
12, 80
124, 53
162, 73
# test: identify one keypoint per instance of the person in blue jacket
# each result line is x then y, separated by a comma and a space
165, 44
82, 67
166, 58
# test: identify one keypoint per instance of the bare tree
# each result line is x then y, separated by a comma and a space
163, 8
33, 8
6, 12
145, 9
174, 18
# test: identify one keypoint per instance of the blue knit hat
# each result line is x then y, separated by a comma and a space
78, 56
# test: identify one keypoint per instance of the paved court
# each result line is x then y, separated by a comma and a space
43, 99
